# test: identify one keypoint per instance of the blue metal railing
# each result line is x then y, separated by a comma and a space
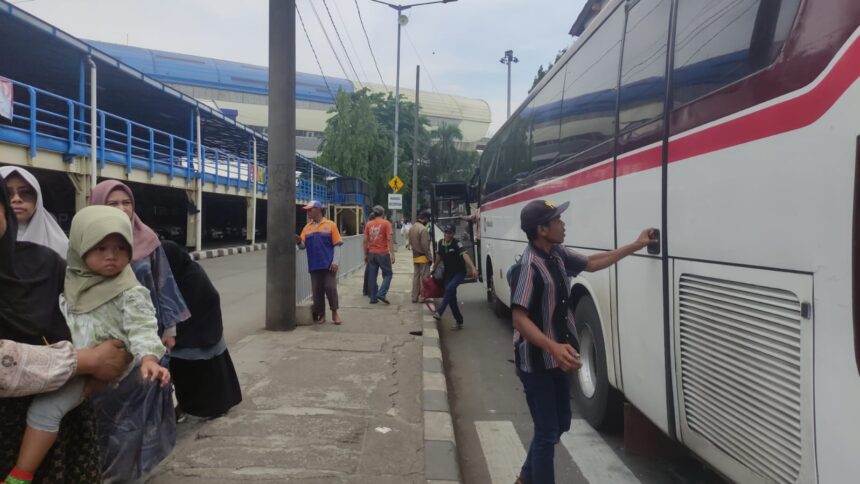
43, 120
47, 121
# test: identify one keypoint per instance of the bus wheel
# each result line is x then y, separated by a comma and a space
498, 307
598, 403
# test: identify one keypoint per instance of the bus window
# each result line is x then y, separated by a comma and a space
591, 77
547, 119
718, 42
643, 65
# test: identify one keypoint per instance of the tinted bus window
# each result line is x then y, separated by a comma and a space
720, 41
591, 77
515, 150
643, 65
546, 122
488, 166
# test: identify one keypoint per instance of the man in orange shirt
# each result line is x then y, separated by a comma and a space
379, 254
323, 242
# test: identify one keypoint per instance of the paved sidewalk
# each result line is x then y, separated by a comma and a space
323, 403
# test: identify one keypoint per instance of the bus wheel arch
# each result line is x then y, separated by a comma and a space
600, 404
498, 307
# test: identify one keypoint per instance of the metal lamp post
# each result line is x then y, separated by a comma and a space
509, 59
401, 21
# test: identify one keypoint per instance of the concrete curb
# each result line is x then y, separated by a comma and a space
441, 465
213, 253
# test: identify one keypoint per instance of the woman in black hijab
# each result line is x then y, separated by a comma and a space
203, 373
31, 279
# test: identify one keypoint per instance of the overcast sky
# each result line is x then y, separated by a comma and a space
457, 44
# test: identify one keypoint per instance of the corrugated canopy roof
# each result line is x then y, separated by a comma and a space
39, 54
192, 70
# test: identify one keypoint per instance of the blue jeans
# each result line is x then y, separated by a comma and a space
450, 297
376, 262
548, 396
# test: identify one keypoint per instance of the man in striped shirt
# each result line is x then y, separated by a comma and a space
544, 333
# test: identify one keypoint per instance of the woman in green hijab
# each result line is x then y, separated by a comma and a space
101, 300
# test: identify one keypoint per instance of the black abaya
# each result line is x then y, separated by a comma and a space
203, 373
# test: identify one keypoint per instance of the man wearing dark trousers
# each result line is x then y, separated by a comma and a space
379, 254
544, 333
323, 243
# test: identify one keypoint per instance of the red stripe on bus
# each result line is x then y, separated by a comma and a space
780, 118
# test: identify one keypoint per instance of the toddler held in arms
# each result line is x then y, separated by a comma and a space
101, 300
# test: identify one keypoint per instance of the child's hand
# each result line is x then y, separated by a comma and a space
169, 342
93, 387
151, 370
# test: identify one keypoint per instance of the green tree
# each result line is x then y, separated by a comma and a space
541, 72
351, 139
444, 156
359, 139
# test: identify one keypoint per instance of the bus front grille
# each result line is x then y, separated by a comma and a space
740, 348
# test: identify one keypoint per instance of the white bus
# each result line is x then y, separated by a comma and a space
732, 126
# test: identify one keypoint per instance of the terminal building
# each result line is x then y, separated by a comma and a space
241, 92
73, 114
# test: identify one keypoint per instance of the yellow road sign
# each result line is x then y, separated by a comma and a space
395, 183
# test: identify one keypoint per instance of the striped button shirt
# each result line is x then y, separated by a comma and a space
540, 284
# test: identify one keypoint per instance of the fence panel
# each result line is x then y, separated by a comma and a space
351, 260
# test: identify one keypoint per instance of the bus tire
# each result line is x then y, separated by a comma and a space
598, 403
498, 307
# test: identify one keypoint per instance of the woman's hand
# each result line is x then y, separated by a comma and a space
106, 362
151, 370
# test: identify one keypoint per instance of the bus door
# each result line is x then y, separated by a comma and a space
639, 197
451, 204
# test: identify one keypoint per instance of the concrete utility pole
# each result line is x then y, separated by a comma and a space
509, 59
281, 222
415, 146
401, 21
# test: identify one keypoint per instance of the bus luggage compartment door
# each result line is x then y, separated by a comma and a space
451, 205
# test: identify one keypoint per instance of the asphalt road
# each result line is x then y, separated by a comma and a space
492, 422
493, 425
241, 281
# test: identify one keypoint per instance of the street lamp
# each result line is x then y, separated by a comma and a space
509, 59
401, 21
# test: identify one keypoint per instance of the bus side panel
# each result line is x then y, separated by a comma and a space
640, 298
785, 202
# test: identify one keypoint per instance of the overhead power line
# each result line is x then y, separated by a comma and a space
302, 21
350, 41
333, 50
420, 59
342, 46
361, 20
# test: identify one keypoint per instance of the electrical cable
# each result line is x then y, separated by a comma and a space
350, 41
361, 20
301, 20
342, 46
333, 50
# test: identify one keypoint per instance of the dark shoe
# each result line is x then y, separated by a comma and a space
383, 300
437, 316
457, 326
373, 302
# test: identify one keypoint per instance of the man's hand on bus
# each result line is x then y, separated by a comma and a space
646, 238
566, 356
603, 260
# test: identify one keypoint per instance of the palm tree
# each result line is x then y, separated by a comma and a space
444, 156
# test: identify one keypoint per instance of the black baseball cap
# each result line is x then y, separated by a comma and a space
539, 212
449, 228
